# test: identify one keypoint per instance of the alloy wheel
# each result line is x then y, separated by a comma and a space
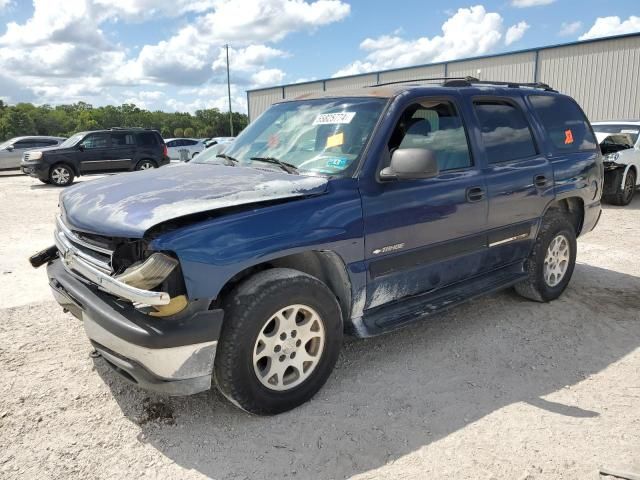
60, 175
289, 347
556, 261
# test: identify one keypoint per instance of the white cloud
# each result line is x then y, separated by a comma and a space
515, 32
530, 3
608, 26
569, 28
185, 58
470, 31
140, 10
246, 59
4, 3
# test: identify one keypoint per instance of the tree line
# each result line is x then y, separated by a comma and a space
65, 120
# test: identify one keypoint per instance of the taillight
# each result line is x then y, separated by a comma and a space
165, 152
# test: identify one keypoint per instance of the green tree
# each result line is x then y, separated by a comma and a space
178, 132
188, 132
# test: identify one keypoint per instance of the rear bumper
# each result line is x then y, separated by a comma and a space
171, 356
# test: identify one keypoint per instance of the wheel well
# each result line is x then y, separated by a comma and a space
573, 207
66, 164
324, 265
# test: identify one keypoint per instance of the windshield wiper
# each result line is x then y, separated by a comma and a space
231, 162
287, 167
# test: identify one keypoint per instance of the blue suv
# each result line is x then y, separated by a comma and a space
356, 212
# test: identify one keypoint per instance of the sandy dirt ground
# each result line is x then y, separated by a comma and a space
498, 388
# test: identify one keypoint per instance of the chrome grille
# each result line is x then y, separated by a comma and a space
97, 256
26, 156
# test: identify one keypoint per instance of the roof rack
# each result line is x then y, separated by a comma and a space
130, 128
432, 79
470, 81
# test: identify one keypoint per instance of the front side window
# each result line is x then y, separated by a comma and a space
434, 125
563, 121
505, 131
318, 137
95, 141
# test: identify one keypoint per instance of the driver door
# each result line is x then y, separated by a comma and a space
95, 153
425, 234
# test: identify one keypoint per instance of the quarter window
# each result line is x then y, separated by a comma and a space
148, 138
505, 132
434, 125
564, 123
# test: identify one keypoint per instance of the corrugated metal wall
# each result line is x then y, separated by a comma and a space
602, 75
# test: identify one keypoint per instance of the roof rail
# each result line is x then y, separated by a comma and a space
436, 79
470, 81
131, 128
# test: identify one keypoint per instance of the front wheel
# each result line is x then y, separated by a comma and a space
280, 341
552, 260
61, 175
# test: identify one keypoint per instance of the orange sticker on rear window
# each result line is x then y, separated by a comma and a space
335, 140
568, 137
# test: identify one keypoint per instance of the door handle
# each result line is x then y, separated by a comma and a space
540, 181
475, 194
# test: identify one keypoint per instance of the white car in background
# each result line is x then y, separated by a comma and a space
620, 145
216, 140
183, 149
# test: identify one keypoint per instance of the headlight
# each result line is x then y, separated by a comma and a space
612, 157
33, 155
149, 273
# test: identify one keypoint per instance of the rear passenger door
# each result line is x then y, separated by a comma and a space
123, 151
518, 174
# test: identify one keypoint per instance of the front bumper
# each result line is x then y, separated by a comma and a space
37, 169
171, 356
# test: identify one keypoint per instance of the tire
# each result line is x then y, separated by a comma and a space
542, 285
624, 193
61, 175
146, 165
244, 364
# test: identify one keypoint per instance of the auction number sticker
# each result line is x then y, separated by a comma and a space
340, 118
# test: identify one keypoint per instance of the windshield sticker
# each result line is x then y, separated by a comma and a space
338, 162
335, 140
334, 118
273, 141
568, 137
630, 131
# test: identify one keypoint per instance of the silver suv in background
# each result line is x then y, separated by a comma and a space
11, 151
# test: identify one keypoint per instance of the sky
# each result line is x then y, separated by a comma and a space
169, 54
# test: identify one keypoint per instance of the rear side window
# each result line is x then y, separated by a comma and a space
122, 139
505, 131
564, 123
147, 139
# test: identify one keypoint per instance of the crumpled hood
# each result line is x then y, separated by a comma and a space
129, 204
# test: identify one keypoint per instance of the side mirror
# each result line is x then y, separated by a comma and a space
10, 148
411, 163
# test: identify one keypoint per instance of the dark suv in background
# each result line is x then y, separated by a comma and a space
100, 151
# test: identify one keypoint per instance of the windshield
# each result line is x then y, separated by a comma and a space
318, 137
632, 130
71, 141
210, 155
5, 144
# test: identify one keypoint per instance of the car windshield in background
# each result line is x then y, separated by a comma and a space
318, 137
210, 155
632, 130
71, 141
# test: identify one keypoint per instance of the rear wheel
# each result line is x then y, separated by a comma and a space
61, 175
146, 165
280, 341
552, 259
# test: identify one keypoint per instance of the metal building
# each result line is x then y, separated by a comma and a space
603, 75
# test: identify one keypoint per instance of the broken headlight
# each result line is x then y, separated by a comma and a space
150, 273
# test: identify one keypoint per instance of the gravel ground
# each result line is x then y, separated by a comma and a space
498, 388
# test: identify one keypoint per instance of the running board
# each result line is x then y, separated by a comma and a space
409, 310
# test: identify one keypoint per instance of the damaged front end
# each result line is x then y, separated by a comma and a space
134, 308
